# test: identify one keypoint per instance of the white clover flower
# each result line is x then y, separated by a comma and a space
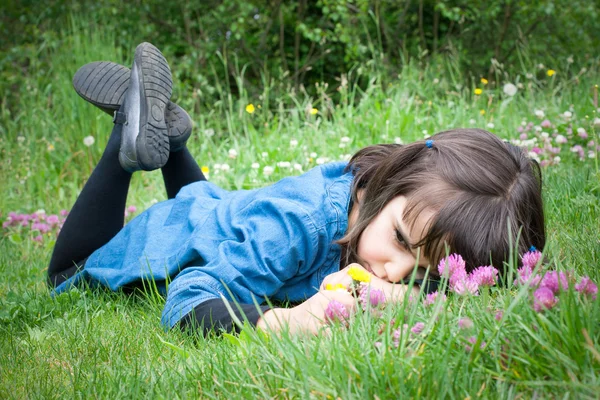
523, 123
313, 155
537, 128
567, 114
560, 139
581, 131
490, 125
539, 113
298, 167
520, 85
472, 121
534, 156
284, 164
596, 122
88, 141
217, 167
153, 201
436, 81
233, 153
264, 154
451, 104
225, 167
529, 75
545, 134
255, 165
557, 159
570, 60
345, 157
41, 211
344, 139
342, 145
293, 143
591, 154
209, 132
321, 160
268, 170
398, 140
509, 89
20, 139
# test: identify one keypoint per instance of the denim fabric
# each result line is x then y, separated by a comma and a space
276, 242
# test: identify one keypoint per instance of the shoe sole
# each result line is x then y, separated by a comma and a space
155, 88
104, 84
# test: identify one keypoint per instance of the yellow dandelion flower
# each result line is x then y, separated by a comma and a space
337, 286
484, 81
205, 169
359, 274
482, 112
250, 108
551, 72
313, 111
478, 91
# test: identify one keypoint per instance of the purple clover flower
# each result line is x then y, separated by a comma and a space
587, 287
524, 277
543, 299
371, 298
555, 281
465, 323
472, 340
52, 219
484, 276
531, 258
499, 314
417, 328
451, 265
336, 311
431, 298
465, 287
546, 124
40, 227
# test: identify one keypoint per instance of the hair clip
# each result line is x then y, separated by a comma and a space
532, 248
429, 143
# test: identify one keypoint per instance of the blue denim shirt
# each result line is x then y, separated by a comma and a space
276, 242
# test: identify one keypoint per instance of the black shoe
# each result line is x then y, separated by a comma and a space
104, 83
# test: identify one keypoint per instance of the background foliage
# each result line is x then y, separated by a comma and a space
293, 45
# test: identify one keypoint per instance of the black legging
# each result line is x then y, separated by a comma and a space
98, 214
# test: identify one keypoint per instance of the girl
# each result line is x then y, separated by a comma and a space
392, 208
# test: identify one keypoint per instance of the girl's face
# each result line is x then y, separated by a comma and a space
386, 245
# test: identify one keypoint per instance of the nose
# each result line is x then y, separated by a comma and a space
396, 270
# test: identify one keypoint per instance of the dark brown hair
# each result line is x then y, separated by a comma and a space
484, 192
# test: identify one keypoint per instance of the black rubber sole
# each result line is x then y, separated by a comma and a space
104, 84
155, 86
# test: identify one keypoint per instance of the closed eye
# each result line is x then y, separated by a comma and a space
401, 239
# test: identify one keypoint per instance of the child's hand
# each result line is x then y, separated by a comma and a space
340, 278
394, 292
308, 316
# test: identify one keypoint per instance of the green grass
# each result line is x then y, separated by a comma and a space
88, 343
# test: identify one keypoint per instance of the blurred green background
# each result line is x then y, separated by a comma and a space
297, 44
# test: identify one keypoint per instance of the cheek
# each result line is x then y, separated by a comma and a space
368, 246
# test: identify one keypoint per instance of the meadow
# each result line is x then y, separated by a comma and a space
92, 343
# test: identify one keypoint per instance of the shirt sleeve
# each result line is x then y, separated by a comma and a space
213, 316
268, 243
